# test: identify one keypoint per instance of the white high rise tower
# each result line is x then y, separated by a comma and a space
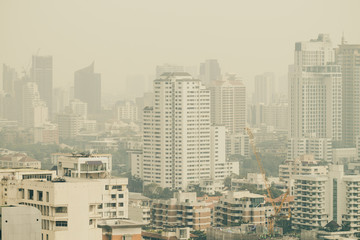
177, 143
315, 91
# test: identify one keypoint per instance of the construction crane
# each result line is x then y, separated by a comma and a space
277, 209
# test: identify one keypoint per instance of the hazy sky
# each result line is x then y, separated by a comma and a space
132, 37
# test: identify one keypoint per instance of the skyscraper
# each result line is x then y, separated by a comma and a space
176, 132
264, 88
348, 57
228, 104
9, 78
210, 71
87, 88
35, 111
42, 75
177, 135
315, 91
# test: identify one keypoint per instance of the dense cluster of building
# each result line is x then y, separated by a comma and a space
185, 135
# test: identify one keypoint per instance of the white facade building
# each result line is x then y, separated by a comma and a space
69, 208
320, 199
79, 108
321, 148
84, 166
303, 165
315, 91
127, 111
34, 110
228, 104
177, 136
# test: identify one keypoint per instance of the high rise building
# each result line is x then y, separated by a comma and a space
9, 78
210, 71
177, 133
61, 99
321, 148
228, 104
87, 88
165, 68
69, 125
42, 75
79, 108
315, 91
264, 88
348, 57
35, 111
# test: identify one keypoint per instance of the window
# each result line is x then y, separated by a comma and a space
61, 210
106, 187
118, 187
121, 204
61, 223
31, 194
40, 196
113, 195
121, 195
47, 197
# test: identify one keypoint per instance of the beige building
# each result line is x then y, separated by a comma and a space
139, 207
84, 165
19, 160
236, 208
69, 208
182, 210
228, 104
320, 199
303, 165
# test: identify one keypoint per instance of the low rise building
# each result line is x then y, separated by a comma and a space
120, 229
236, 208
182, 210
84, 165
139, 207
19, 160
69, 208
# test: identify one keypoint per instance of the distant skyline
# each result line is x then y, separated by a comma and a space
127, 38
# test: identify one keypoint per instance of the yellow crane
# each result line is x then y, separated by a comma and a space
277, 209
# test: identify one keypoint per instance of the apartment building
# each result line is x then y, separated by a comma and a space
139, 207
19, 160
84, 165
182, 210
315, 91
228, 104
325, 198
303, 165
321, 148
97, 167
180, 147
69, 208
240, 207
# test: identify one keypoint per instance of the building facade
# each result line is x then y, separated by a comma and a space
236, 208
315, 91
182, 210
